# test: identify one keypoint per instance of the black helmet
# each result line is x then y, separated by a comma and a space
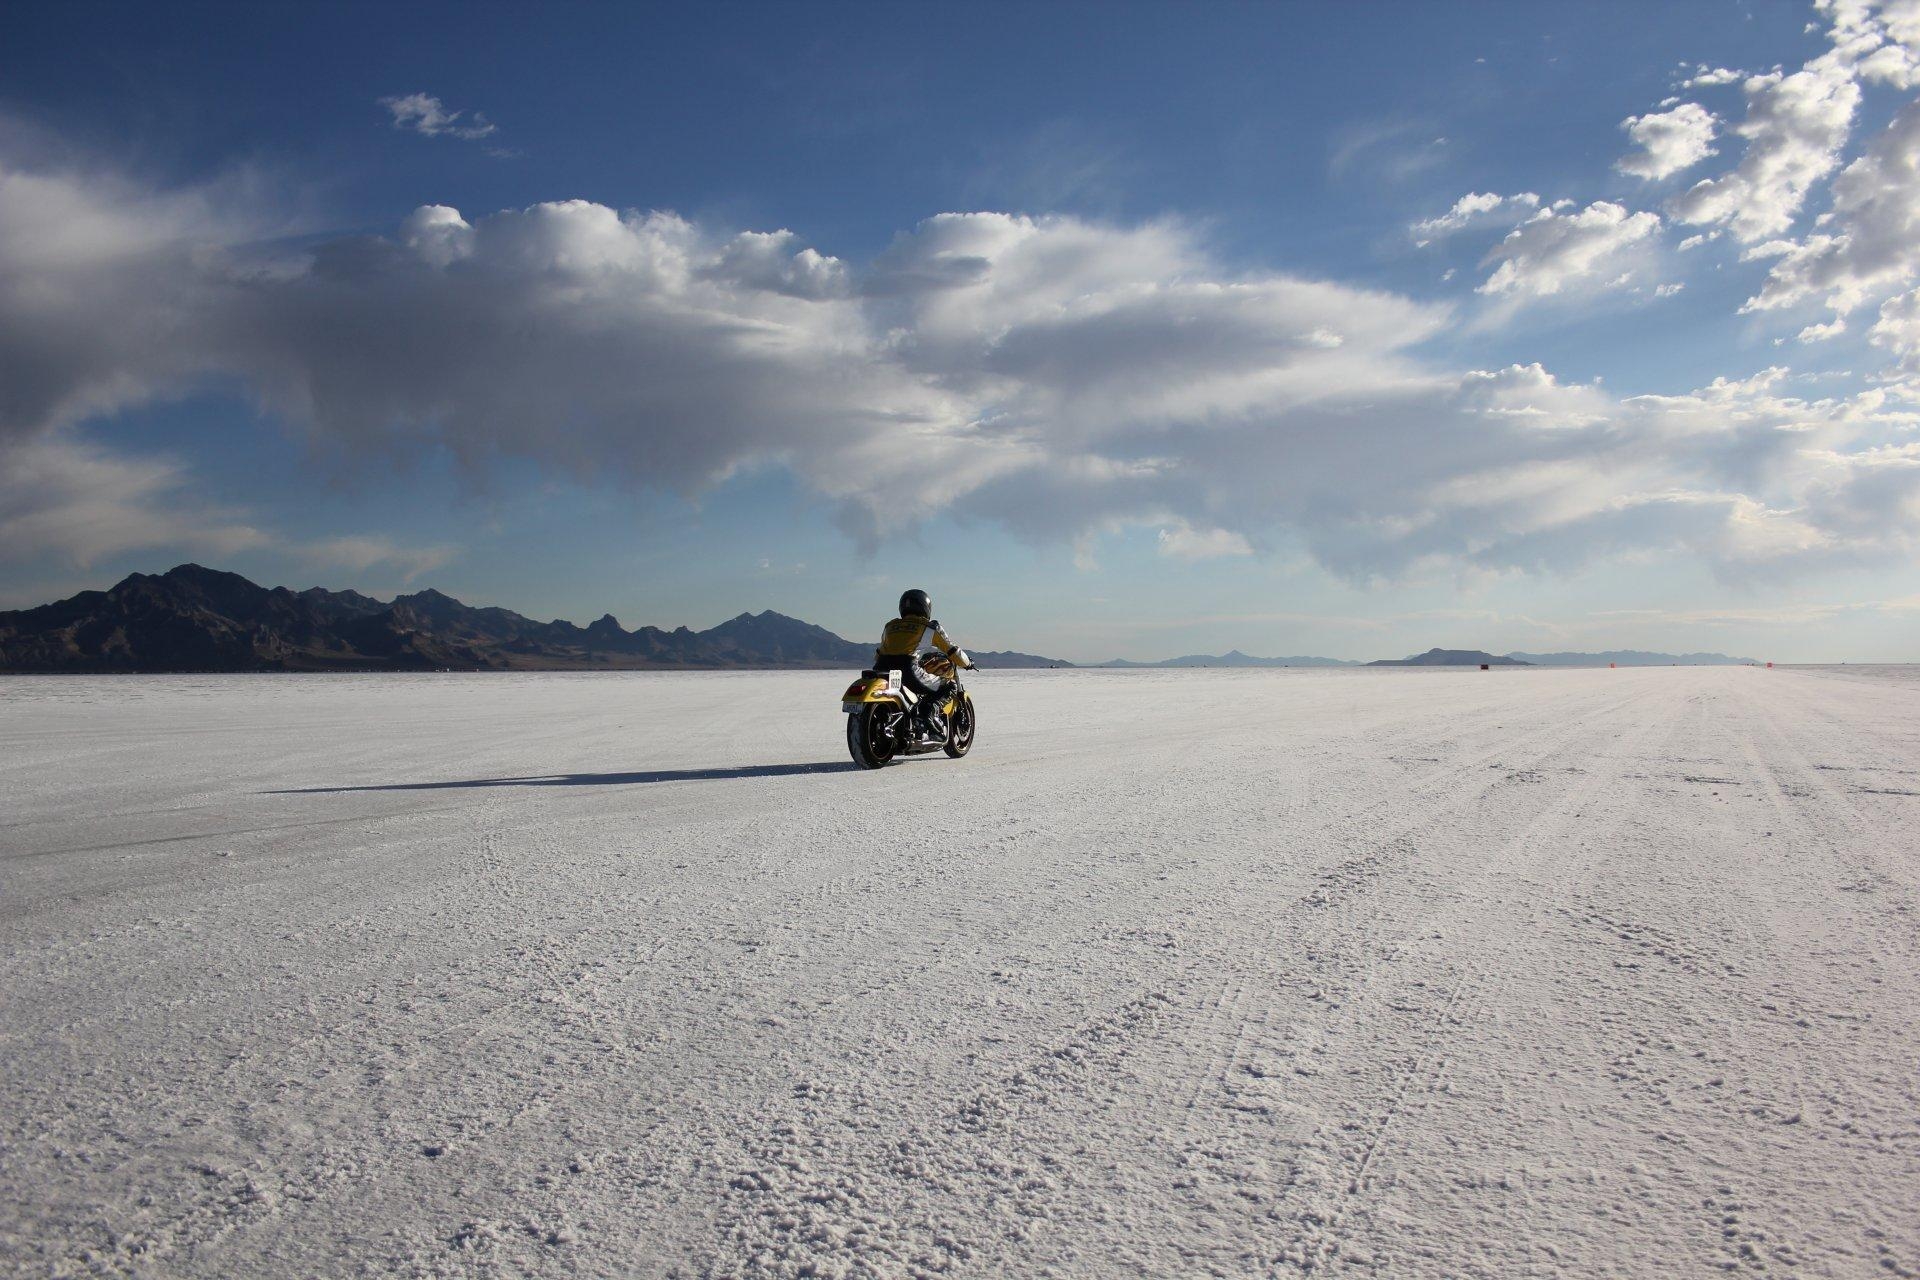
915, 604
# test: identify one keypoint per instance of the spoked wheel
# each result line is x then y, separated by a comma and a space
868, 741
960, 740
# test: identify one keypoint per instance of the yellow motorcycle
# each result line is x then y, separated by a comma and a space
881, 719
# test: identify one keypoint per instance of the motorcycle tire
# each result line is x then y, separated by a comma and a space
868, 741
960, 732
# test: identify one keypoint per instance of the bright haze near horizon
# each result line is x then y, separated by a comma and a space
1129, 330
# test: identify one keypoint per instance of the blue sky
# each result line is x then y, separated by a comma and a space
1217, 354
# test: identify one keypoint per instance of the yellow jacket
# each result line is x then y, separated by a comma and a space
902, 637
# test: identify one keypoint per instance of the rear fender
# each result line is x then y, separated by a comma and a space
869, 689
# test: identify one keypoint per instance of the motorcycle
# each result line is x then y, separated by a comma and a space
882, 722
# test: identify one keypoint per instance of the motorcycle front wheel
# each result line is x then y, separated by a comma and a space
960, 740
868, 741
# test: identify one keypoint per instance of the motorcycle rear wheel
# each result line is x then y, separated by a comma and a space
960, 735
868, 741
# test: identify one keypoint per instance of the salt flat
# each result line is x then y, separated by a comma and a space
1418, 973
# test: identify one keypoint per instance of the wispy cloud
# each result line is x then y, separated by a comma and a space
1393, 151
358, 553
68, 501
75, 503
424, 114
1552, 251
1184, 542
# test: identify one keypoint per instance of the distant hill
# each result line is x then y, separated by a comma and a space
196, 619
1451, 658
1234, 658
1005, 658
1632, 658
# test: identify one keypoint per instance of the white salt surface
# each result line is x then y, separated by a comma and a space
1240, 973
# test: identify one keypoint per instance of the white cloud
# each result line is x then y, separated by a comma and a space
1794, 128
1706, 77
1882, 36
1057, 376
1551, 250
1184, 542
1870, 242
1475, 209
424, 114
1898, 329
1668, 290
1797, 124
1669, 141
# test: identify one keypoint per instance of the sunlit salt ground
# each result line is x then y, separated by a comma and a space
1412, 973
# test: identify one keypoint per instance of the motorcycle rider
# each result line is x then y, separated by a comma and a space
899, 651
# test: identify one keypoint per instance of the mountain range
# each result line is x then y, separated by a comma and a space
1234, 658
197, 619
1451, 658
1633, 658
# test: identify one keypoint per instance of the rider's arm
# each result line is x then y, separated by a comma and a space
944, 643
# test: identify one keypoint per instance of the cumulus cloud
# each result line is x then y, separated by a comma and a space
1668, 141
1055, 375
1553, 250
1796, 124
1870, 241
1476, 208
1882, 37
1794, 129
424, 114
1898, 329
1706, 77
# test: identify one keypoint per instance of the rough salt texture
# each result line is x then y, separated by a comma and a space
1181, 973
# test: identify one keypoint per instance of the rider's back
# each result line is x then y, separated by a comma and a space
901, 636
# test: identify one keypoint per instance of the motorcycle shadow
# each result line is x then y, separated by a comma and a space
589, 779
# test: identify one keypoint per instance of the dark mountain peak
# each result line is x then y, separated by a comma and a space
181, 576
191, 572
354, 598
605, 622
